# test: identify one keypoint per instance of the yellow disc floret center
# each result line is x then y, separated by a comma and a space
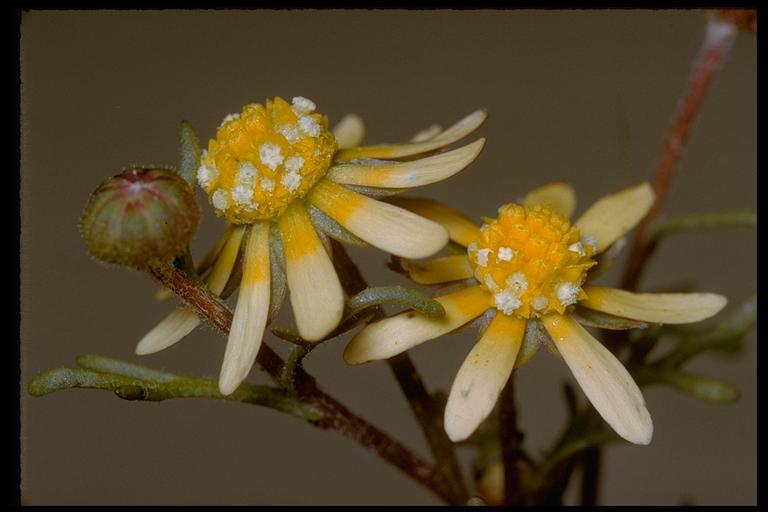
532, 260
264, 158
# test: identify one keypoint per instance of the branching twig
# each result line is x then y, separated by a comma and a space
718, 40
421, 402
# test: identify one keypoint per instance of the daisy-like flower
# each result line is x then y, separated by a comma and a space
277, 174
527, 269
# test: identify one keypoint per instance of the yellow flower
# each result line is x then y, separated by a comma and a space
277, 174
528, 268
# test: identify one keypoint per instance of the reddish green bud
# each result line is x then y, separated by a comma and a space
140, 217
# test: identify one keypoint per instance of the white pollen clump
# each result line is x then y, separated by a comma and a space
567, 294
219, 200
590, 240
539, 302
247, 173
506, 302
206, 174
267, 184
481, 257
270, 155
472, 247
309, 126
229, 117
505, 254
577, 248
518, 283
290, 132
490, 283
242, 194
291, 181
302, 105
294, 164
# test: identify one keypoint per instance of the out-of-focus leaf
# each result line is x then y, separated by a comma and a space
190, 153
693, 221
705, 388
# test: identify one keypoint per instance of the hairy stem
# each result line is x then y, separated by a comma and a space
421, 402
718, 39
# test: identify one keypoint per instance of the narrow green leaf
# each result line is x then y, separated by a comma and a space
607, 321
333, 229
376, 191
397, 295
129, 388
190, 153
693, 221
705, 388
109, 365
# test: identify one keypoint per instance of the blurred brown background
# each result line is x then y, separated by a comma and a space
579, 96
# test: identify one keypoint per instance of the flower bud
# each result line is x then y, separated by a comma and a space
139, 217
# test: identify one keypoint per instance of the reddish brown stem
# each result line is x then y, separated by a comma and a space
719, 37
511, 453
336, 416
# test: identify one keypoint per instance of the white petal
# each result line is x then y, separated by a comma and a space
482, 376
316, 295
427, 133
663, 308
613, 215
558, 195
225, 262
250, 316
391, 336
460, 229
438, 270
349, 132
603, 379
415, 173
456, 132
382, 225
168, 332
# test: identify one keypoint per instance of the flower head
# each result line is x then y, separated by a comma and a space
530, 266
284, 182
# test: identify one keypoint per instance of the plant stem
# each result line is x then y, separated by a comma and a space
510, 445
718, 39
335, 415
421, 402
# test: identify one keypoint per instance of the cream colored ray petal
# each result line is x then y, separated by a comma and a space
391, 336
250, 317
168, 332
460, 229
603, 379
222, 269
415, 173
558, 195
427, 133
438, 270
663, 308
612, 216
382, 225
482, 376
456, 132
349, 131
316, 295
